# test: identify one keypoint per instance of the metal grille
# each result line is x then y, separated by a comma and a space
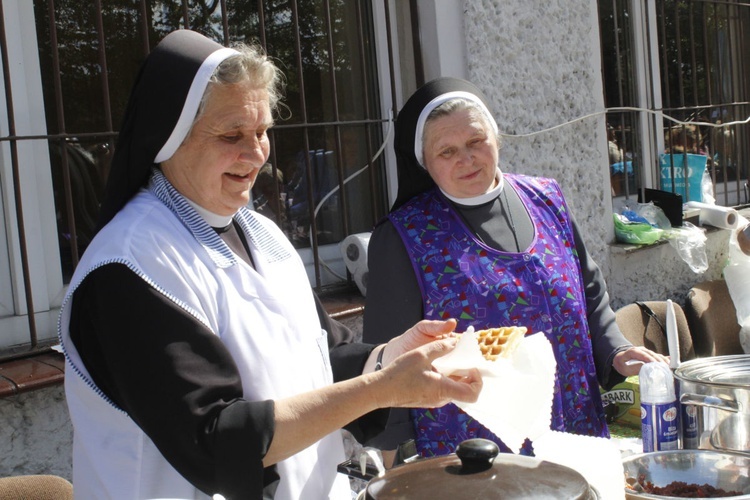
677, 71
330, 129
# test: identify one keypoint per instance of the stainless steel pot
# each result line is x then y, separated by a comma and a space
728, 471
719, 389
478, 471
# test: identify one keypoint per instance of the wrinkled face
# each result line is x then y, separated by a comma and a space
217, 164
460, 153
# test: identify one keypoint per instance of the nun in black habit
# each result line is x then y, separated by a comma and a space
464, 240
197, 355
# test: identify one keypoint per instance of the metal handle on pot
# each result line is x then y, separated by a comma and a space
710, 402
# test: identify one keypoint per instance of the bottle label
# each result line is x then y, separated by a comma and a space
660, 426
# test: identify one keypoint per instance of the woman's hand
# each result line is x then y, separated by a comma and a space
411, 381
635, 353
408, 381
420, 334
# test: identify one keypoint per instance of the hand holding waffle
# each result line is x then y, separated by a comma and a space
482, 349
513, 411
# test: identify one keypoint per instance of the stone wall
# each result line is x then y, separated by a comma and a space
36, 433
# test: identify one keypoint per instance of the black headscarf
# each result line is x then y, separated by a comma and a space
413, 179
161, 109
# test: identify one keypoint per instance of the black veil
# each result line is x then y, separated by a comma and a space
413, 179
162, 103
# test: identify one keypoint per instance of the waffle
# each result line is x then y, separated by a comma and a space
499, 342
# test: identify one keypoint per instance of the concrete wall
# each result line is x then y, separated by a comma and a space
36, 434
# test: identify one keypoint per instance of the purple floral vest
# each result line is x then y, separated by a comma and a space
540, 288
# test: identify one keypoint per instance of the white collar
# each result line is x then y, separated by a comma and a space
212, 219
482, 198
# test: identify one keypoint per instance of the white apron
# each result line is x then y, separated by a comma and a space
273, 333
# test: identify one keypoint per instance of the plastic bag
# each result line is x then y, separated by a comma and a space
681, 179
640, 223
690, 243
654, 215
635, 232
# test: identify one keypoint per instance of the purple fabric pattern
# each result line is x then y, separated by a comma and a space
539, 288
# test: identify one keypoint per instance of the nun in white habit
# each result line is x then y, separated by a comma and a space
199, 361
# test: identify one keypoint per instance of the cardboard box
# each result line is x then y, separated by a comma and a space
627, 397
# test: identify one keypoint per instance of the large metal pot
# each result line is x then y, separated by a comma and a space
718, 388
478, 471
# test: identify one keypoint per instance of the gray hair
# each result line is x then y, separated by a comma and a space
251, 64
461, 104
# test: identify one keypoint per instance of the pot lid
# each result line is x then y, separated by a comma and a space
478, 471
731, 371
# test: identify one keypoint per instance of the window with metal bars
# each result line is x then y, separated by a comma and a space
676, 83
325, 177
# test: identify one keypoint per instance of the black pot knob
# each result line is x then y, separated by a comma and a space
477, 454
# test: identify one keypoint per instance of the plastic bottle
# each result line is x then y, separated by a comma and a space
660, 422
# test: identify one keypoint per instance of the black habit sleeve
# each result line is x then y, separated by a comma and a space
394, 301
606, 337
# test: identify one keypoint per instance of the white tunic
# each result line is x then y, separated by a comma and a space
265, 316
